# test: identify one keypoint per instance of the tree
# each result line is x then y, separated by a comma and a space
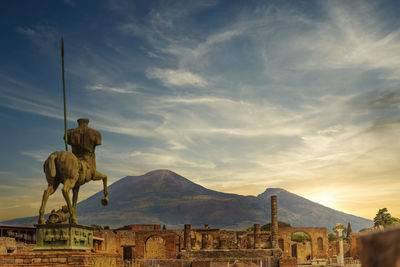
331, 237
395, 220
348, 230
300, 237
383, 218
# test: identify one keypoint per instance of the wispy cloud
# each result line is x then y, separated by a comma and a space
349, 39
170, 77
101, 87
39, 155
43, 36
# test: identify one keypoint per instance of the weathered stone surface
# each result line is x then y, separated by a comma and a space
231, 254
63, 236
316, 233
274, 222
7, 245
288, 262
354, 246
62, 258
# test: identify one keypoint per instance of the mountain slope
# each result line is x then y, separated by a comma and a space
299, 211
164, 197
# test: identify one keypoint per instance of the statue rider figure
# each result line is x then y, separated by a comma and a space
83, 141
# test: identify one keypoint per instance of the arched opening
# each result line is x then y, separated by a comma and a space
301, 247
155, 247
320, 244
281, 244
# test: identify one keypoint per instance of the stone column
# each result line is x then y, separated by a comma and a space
257, 236
274, 222
238, 241
204, 241
339, 237
187, 237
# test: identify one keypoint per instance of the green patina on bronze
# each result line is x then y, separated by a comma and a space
63, 237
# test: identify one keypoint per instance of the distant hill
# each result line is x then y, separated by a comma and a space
164, 197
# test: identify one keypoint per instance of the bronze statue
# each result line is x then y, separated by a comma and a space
60, 216
73, 169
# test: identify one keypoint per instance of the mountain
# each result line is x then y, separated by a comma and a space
164, 197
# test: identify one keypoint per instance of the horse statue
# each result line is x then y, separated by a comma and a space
73, 169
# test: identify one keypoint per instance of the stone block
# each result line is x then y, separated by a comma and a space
7, 244
63, 237
288, 262
36, 260
28, 261
6, 260
18, 261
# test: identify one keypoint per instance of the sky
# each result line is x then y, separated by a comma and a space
237, 96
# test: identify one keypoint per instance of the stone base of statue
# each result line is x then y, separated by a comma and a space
63, 237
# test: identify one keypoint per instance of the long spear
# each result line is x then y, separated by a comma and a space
65, 106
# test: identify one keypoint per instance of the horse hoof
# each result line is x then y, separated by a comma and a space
41, 221
104, 201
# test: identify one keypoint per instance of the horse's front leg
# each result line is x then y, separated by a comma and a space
75, 192
101, 176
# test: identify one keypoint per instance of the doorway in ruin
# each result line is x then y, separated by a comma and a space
127, 253
155, 248
294, 250
301, 247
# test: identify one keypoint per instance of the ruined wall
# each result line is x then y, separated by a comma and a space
7, 245
332, 249
348, 247
237, 255
355, 245
303, 251
61, 258
212, 238
267, 262
288, 262
145, 227
147, 242
111, 241
319, 240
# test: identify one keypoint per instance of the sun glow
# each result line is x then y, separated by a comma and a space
325, 199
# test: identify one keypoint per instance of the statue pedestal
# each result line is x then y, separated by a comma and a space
63, 237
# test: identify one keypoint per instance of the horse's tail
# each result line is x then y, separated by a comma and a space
52, 165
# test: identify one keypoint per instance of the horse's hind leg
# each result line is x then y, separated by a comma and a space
68, 185
49, 191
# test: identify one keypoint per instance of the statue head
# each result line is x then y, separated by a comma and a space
83, 122
64, 208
